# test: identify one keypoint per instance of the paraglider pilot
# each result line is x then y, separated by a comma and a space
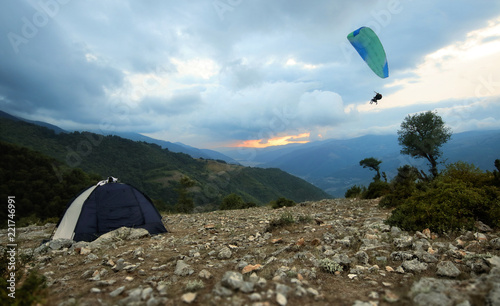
376, 98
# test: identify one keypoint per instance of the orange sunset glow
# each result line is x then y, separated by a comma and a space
276, 141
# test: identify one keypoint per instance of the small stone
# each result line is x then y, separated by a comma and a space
129, 278
427, 233
188, 297
389, 269
447, 268
482, 227
120, 264
352, 276
95, 290
315, 242
251, 268
85, 251
224, 253
494, 261
300, 242
277, 240
232, 280
146, 293
205, 274
495, 243
162, 288
247, 287
281, 299
481, 237
312, 292
414, 266
117, 291
255, 297
391, 297
183, 269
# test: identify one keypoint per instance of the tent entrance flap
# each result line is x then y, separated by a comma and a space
66, 228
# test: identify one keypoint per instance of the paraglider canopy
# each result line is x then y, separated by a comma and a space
369, 47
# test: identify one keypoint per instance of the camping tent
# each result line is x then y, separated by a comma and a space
105, 207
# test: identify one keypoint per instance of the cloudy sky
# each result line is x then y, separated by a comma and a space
212, 73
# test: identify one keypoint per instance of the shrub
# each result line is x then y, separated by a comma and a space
234, 201
286, 218
376, 189
455, 200
329, 266
355, 191
31, 292
194, 285
401, 187
282, 202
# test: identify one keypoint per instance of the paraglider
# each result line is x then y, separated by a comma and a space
369, 47
376, 98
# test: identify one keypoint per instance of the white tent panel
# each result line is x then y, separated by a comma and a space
66, 228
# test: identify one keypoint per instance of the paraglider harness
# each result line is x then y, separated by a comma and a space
376, 98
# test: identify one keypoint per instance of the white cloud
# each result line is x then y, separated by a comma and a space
178, 71
465, 69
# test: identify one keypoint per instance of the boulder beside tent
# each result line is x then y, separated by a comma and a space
105, 207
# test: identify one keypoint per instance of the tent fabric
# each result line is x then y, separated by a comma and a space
106, 207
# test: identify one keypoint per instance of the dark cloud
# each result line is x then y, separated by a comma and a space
220, 70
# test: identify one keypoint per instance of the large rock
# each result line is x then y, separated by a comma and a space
61, 243
225, 253
119, 234
183, 269
448, 269
232, 280
414, 266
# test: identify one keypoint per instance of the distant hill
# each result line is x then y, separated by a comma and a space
157, 171
40, 192
175, 147
55, 128
333, 165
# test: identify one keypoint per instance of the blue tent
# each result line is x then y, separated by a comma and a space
105, 207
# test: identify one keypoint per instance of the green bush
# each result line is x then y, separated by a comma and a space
455, 200
234, 201
286, 218
376, 189
32, 291
282, 202
355, 192
402, 187
330, 266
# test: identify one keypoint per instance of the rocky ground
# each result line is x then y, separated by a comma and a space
331, 252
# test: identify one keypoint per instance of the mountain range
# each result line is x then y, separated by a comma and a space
156, 170
333, 165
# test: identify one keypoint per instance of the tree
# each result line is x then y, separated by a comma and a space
373, 164
422, 135
185, 203
232, 201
